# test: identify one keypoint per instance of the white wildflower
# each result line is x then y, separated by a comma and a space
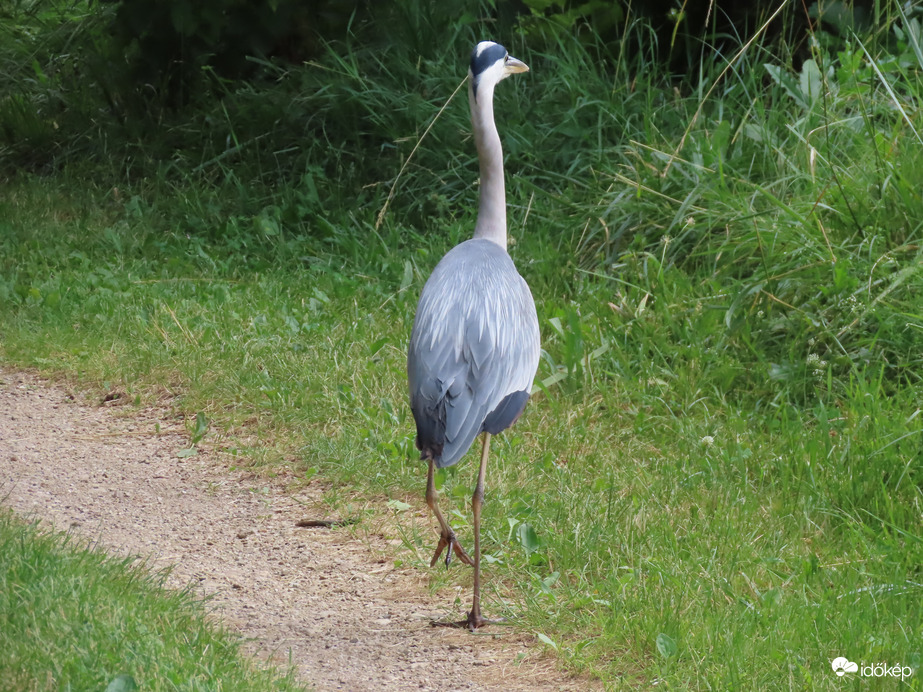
817, 364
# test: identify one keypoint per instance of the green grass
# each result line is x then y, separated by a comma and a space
718, 484
75, 619
762, 538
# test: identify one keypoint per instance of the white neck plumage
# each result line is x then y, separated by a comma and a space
491, 223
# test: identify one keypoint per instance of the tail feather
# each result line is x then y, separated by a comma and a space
430, 430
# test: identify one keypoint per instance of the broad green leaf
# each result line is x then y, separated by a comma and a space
811, 81
787, 82
528, 538
201, 427
459, 491
547, 640
666, 645
377, 345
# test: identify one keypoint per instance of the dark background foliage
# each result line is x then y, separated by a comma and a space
149, 78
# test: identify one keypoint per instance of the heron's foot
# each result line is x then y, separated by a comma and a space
447, 540
475, 620
471, 623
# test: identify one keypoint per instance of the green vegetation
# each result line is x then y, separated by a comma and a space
74, 619
719, 483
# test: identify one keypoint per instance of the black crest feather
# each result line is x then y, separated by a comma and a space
482, 61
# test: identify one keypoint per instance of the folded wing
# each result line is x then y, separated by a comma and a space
473, 351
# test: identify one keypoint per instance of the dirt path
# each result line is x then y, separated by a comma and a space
350, 619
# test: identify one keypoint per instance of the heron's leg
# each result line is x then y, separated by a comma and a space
474, 617
446, 534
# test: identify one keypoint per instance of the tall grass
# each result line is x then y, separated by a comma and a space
718, 483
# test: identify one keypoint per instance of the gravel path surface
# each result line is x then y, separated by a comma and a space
330, 598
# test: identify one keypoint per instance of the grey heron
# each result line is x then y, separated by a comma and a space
474, 347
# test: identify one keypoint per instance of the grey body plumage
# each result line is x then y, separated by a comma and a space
474, 347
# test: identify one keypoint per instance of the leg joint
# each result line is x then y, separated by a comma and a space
478, 495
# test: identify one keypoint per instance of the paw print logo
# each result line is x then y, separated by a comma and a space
842, 665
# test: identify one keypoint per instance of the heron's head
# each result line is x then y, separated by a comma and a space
491, 62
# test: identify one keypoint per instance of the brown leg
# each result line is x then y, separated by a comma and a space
446, 535
474, 617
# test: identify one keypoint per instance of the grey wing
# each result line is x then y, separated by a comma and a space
473, 353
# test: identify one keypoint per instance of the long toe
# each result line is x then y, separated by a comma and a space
460, 554
476, 620
443, 542
449, 540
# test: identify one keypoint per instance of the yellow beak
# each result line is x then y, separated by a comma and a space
514, 66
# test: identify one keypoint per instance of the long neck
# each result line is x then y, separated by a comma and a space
491, 223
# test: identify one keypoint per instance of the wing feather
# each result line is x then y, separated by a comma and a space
475, 341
